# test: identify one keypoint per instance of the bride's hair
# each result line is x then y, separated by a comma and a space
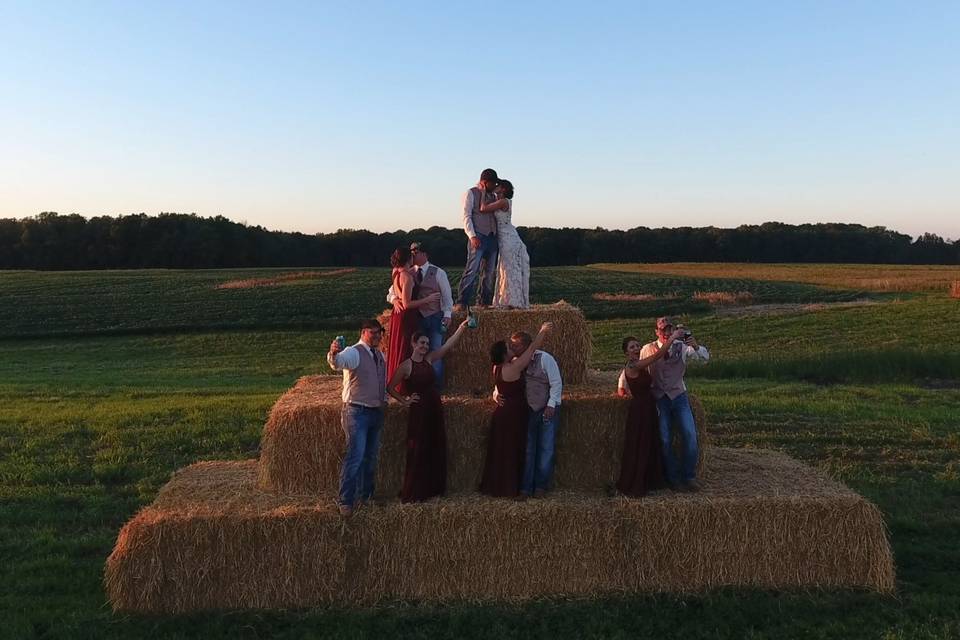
507, 188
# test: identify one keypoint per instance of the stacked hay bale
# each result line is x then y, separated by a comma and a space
467, 368
303, 444
267, 534
214, 540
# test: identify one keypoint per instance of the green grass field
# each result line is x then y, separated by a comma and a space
111, 381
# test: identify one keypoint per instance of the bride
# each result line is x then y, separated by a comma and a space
513, 265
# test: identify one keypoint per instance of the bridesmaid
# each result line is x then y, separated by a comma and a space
426, 473
507, 441
404, 319
640, 467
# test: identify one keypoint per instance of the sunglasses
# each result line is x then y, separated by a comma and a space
666, 327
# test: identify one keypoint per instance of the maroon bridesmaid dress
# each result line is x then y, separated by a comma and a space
426, 473
640, 468
402, 326
507, 441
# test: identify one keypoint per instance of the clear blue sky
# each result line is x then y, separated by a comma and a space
312, 117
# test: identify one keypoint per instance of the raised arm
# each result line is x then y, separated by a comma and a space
521, 361
438, 354
494, 206
643, 363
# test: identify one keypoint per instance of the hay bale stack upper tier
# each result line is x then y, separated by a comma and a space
303, 443
468, 365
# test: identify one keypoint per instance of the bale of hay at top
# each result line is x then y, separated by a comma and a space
213, 540
467, 368
303, 443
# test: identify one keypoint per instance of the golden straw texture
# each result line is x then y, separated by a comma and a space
213, 540
467, 366
303, 443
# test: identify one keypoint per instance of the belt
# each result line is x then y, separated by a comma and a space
363, 406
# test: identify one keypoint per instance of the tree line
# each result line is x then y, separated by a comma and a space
174, 240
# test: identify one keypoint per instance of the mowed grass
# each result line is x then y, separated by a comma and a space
91, 426
48, 304
868, 277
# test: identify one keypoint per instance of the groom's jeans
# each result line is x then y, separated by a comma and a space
432, 326
486, 254
361, 425
541, 444
678, 411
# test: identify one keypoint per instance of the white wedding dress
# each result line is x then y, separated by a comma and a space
513, 265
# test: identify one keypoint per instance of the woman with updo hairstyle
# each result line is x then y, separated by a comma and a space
507, 440
641, 468
404, 319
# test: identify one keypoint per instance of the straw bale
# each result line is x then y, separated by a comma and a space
303, 443
214, 540
467, 367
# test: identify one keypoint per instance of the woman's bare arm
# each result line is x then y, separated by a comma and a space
433, 356
496, 205
521, 361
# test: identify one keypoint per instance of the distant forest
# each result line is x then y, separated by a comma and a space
173, 240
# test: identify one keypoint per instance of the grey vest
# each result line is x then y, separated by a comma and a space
538, 385
667, 374
366, 384
425, 288
483, 223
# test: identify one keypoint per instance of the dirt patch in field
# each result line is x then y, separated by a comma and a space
788, 308
955, 289
724, 298
276, 281
628, 297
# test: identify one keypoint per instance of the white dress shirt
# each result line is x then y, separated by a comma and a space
468, 214
688, 353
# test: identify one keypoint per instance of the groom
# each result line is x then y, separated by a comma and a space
482, 248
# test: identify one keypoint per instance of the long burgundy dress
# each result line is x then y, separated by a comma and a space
507, 442
426, 473
640, 468
402, 326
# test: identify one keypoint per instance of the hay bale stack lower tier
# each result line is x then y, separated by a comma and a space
303, 443
213, 540
467, 367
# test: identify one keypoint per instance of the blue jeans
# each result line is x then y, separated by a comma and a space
541, 440
362, 427
485, 257
678, 411
432, 326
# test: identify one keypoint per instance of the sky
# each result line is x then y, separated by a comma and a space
318, 116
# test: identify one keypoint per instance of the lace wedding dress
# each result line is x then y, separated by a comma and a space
513, 265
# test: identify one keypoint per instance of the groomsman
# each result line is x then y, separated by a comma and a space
544, 388
434, 317
364, 398
482, 247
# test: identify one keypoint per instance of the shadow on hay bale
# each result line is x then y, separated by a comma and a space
213, 540
303, 443
467, 367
